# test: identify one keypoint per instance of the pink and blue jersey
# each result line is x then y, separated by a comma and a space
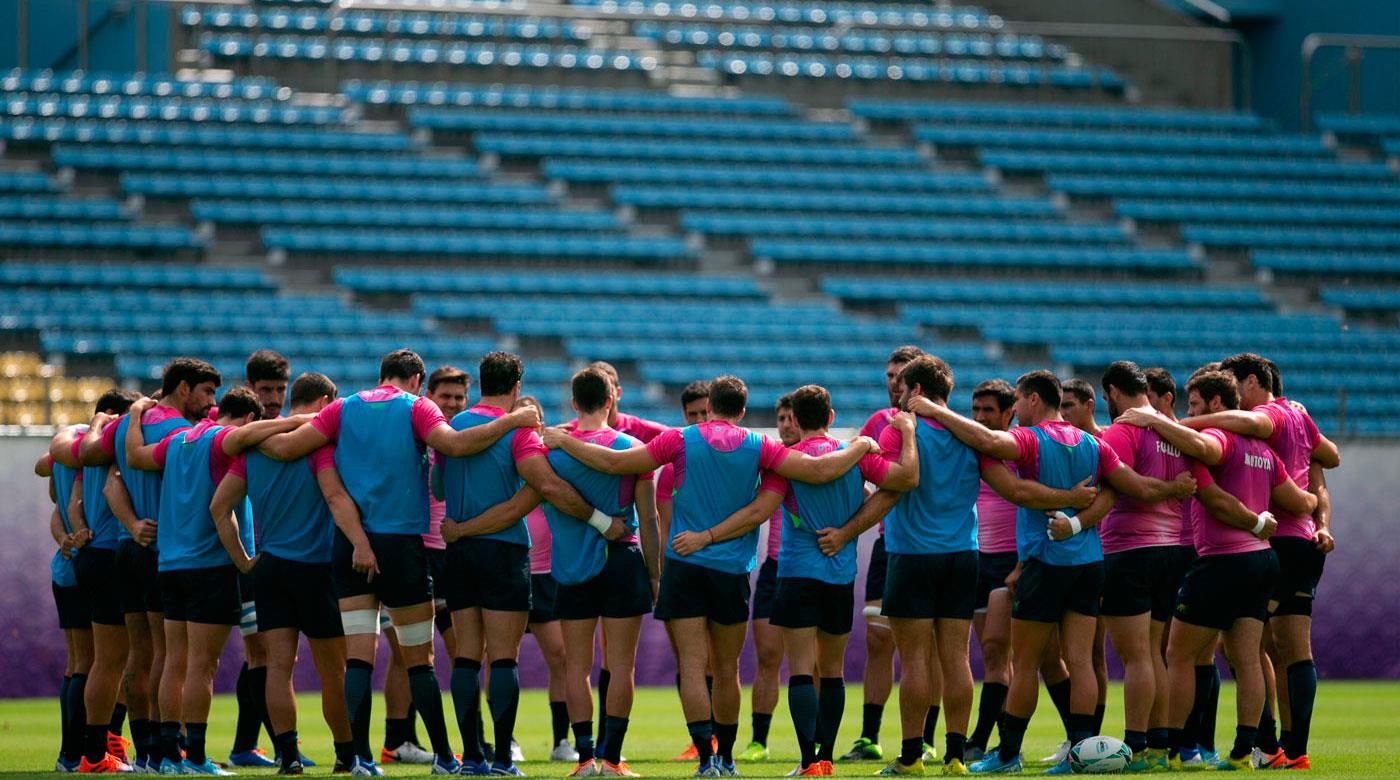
1294, 438
380, 438
541, 543
874, 426
437, 509
100, 521
1131, 524
940, 515
291, 518
996, 519
1058, 455
1248, 470
718, 469
144, 486
193, 462
582, 550
478, 482
774, 546
808, 509
65, 481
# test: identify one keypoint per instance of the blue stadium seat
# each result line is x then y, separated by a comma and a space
182, 185
175, 109
114, 235
1126, 186
403, 242
1257, 213
618, 124
547, 283
1157, 143
92, 131
912, 69
1019, 322
368, 22
43, 207
511, 145
1005, 291
79, 82
974, 255
721, 223
1293, 238
1362, 299
791, 351
861, 202
906, 43
119, 275
950, 17
397, 215
1052, 115
557, 98
29, 181
126, 158
1368, 125
1182, 164
512, 55
1327, 262
764, 176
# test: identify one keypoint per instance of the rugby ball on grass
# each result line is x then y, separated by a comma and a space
1099, 756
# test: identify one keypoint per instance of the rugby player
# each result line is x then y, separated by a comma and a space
636, 427
74, 613
380, 437
1228, 589
709, 592
1060, 575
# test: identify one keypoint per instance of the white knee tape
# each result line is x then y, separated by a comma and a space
358, 622
871, 611
248, 619
415, 634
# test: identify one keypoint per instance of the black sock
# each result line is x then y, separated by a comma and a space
1013, 732
1265, 736
988, 713
411, 734
710, 697
762, 721
911, 750
427, 699
65, 724
1157, 739
956, 746
1098, 720
466, 698
245, 733
1178, 741
118, 718
583, 740
345, 754
395, 732
559, 721
1135, 740
1081, 727
503, 697
871, 715
617, 732
286, 748
1302, 694
700, 734
930, 724
802, 703
1245, 737
194, 742
141, 738
94, 742
170, 741
604, 680
359, 703
1059, 694
77, 713
1206, 736
725, 736
831, 705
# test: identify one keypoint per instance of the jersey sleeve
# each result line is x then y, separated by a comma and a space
323, 458
664, 448
425, 416
1109, 461
771, 455
327, 421
1221, 438
665, 483
874, 467
158, 454
1027, 446
1277, 417
1120, 439
643, 429
239, 466
872, 423
1280, 472
219, 460
1201, 472
891, 441
773, 482
108, 442
526, 443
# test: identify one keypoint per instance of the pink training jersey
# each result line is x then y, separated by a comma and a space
1190, 510
539, 540
425, 415
1294, 438
1028, 448
665, 484
874, 426
996, 520
155, 415
437, 510
1131, 524
775, 535
1248, 470
639, 428
723, 436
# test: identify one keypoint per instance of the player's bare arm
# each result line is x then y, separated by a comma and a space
825, 468
1326, 453
872, 511
1230, 511
1031, 494
648, 526
495, 518
90, 451
1245, 423
538, 474
347, 518
1322, 516
599, 458
1150, 490
903, 474
1291, 498
81, 534
997, 444
470, 441
294, 444
231, 491
1062, 527
745, 519
254, 433
139, 455
1187, 441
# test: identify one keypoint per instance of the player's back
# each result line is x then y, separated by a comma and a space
1294, 438
716, 475
185, 529
940, 515
1248, 470
65, 479
1131, 523
1065, 457
582, 549
475, 483
808, 509
288, 509
381, 461
144, 487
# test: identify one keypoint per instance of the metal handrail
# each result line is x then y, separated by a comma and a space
1354, 46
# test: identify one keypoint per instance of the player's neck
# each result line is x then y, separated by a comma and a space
498, 401
296, 410
398, 383
734, 421
594, 421
817, 434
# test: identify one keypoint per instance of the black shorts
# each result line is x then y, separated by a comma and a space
765, 589
689, 590
202, 595
402, 580
1045, 592
1141, 580
297, 595
73, 610
992, 571
875, 571
487, 574
1220, 589
1185, 556
801, 602
936, 585
97, 579
544, 589
138, 581
621, 590
437, 570
1300, 569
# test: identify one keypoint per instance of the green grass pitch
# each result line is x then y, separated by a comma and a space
1356, 733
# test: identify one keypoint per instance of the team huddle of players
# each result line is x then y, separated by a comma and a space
178, 520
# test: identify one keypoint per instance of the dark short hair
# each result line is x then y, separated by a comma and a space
905, 354
784, 402
1079, 388
1277, 388
999, 389
401, 364
191, 371
1044, 384
1126, 376
1160, 381
310, 386
1214, 365
729, 396
592, 390
500, 371
1216, 384
239, 401
522, 400
266, 365
811, 407
448, 375
932, 376
1247, 364
116, 401
609, 370
694, 392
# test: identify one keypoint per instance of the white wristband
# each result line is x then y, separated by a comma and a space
1074, 526
600, 522
1259, 526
